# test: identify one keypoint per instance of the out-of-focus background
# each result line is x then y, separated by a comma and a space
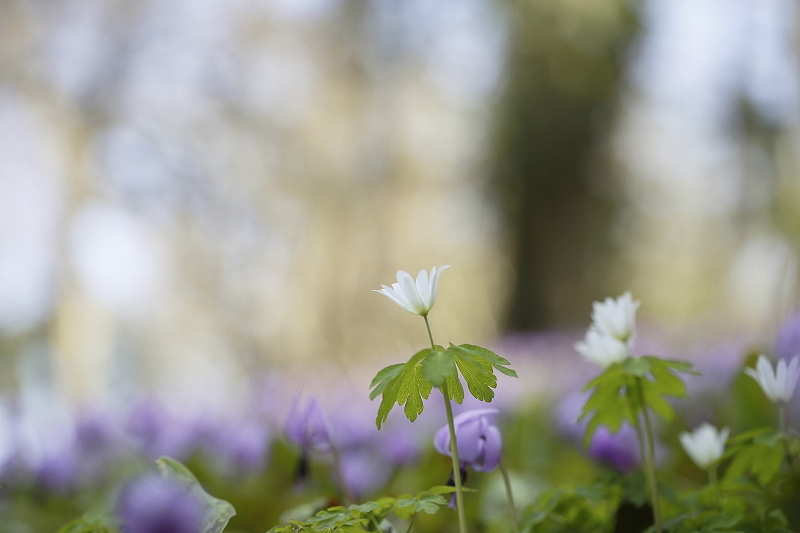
193, 189
196, 193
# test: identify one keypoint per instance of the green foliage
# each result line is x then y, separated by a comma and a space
370, 515
90, 523
409, 384
758, 453
586, 509
624, 390
217, 512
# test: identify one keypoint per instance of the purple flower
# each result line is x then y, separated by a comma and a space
618, 450
154, 504
478, 440
307, 427
787, 341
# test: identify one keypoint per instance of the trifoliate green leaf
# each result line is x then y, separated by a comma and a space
427, 501
622, 391
404, 385
438, 366
217, 512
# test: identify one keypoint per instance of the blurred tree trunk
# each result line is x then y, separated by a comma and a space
563, 74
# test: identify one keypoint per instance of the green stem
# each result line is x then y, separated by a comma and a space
428, 326
712, 480
411, 523
649, 459
462, 517
511, 508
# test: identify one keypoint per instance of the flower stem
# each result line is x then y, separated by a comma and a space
462, 517
511, 508
712, 480
428, 325
649, 459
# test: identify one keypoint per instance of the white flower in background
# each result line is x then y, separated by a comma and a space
602, 349
705, 444
414, 297
609, 339
616, 318
778, 385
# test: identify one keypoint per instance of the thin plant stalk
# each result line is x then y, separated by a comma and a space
782, 414
510, 496
712, 480
462, 517
649, 459
410, 523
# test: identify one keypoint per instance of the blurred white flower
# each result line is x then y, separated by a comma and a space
778, 385
705, 444
616, 318
602, 349
416, 297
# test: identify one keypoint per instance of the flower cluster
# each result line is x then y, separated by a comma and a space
609, 339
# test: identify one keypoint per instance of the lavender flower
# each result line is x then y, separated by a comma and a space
787, 340
307, 427
154, 504
617, 450
478, 440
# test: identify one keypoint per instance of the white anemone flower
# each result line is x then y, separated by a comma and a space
705, 444
779, 384
602, 349
414, 297
616, 317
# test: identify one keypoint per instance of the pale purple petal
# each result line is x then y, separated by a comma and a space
490, 456
468, 438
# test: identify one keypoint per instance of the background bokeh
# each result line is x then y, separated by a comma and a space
197, 192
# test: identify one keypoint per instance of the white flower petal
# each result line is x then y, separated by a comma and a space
414, 296
705, 445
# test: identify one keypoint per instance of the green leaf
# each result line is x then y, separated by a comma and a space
759, 460
217, 512
402, 384
382, 379
477, 373
413, 389
610, 402
454, 388
427, 501
89, 523
438, 366
495, 360
638, 366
